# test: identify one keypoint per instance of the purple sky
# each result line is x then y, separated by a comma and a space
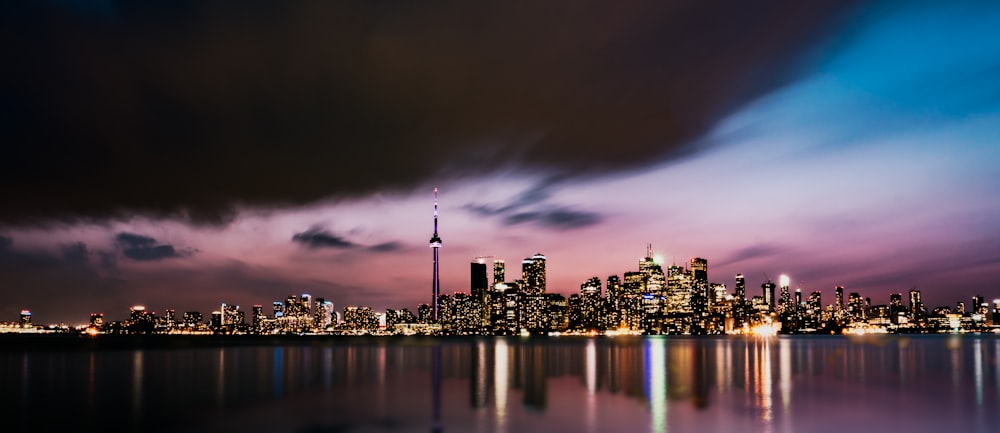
182, 156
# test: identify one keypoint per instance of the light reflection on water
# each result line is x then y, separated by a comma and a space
656, 384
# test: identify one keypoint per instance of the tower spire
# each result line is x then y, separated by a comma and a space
435, 245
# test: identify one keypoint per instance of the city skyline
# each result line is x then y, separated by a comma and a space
182, 155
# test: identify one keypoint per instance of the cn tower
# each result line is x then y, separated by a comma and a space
436, 245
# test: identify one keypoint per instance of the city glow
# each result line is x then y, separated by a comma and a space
765, 330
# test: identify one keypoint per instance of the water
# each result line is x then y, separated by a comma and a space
587, 385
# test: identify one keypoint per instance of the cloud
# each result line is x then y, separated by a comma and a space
5, 242
560, 218
423, 91
753, 252
144, 248
531, 205
386, 247
317, 237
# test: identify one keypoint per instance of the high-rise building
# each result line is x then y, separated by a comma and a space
498, 273
916, 306
435, 245
785, 298
741, 288
533, 274
478, 281
258, 318
613, 303
839, 293
768, 288
590, 297
25, 319
680, 290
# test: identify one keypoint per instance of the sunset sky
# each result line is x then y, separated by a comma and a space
183, 154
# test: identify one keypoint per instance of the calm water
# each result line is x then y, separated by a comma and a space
656, 384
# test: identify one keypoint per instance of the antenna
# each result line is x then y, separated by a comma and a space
435, 211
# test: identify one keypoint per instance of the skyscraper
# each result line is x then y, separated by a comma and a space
741, 288
435, 245
533, 273
498, 273
916, 306
478, 281
768, 288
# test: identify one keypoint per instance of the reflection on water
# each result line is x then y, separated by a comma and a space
657, 384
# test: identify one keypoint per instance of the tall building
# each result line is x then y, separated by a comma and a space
435, 245
741, 288
533, 274
839, 291
916, 306
699, 269
699, 273
498, 273
768, 288
258, 318
785, 298
478, 281
590, 297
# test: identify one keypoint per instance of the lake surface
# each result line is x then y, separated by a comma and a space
636, 384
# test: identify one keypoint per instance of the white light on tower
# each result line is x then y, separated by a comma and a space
784, 280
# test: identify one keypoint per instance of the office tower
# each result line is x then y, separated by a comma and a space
305, 313
699, 273
613, 303
533, 311
680, 290
741, 288
478, 280
590, 297
556, 307
257, 318
979, 306
839, 293
768, 288
815, 301
97, 320
699, 270
798, 298
896, 308
574, 312
656, 281
916, 306
435, 245
785, 299
498, 273
170, 318
533, 274
323, 315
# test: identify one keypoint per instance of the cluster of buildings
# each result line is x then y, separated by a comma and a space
652, 300
677, 300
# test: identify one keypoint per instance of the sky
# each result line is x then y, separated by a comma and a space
184, 154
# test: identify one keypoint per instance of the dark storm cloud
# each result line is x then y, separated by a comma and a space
386, 247
33, 278
144, 248
317, 237
186, 109
562, 219
753, 252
